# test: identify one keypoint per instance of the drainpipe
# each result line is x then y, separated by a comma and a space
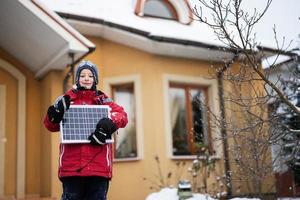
69, 74
224, 134
220, 75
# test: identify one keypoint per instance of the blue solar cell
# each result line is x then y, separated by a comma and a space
80, 121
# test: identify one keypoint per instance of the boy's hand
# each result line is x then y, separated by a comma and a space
56, 111
104, 130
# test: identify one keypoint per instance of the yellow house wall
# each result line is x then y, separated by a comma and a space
33, 110
246, 89
42, 147
51, 88
118, 60
10, 133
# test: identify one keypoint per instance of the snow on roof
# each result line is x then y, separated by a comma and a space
274, 60
284, 14
280, 59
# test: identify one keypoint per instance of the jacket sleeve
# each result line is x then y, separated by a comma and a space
50, 125
118, 115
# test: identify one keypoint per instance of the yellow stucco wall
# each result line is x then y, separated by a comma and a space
33, 111
11, 130
116, 60
51, 88
41, 146
243, 180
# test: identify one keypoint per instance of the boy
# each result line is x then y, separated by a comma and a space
85, 169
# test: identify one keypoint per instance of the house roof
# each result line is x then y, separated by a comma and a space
116, 20
279, 58
148, 41
38, 37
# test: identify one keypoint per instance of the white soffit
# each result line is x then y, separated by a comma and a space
38, 37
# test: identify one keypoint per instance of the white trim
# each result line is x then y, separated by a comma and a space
136, 80
2, 137
62, 151
107, 154
183, 11
213, 103
21, 126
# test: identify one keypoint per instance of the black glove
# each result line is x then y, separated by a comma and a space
104, 130
56, 111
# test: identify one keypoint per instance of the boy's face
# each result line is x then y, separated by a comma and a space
86, 79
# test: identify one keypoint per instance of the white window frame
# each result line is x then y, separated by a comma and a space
136, 80
182, 8
212, 91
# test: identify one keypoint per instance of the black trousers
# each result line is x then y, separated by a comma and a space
84, 188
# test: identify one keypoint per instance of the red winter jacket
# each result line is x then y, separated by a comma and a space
87, 159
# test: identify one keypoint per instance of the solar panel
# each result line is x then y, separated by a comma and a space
80, 121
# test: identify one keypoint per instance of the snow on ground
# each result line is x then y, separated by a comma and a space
171, 194
245, 199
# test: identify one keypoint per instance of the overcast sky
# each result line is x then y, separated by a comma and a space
284, 14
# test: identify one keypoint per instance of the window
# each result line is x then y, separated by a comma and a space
126, 91
178, 10
187, 124
160, 8
125, 142
188, 118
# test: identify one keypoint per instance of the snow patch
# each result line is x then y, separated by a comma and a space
171, 194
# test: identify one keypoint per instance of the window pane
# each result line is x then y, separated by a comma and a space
157, 8
178, 121
199, 118
125, 141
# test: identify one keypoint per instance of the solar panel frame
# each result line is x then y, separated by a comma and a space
80, 121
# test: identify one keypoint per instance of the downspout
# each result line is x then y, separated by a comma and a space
224, 134
69, 74
220, 75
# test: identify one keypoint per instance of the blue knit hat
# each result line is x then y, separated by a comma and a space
86, 65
